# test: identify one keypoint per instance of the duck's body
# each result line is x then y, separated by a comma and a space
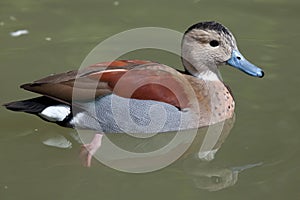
141, 84
143, 96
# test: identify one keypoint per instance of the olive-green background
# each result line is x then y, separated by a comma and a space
267, 111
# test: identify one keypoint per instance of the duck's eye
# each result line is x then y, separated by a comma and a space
214, 43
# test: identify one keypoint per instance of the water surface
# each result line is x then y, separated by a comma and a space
264, 141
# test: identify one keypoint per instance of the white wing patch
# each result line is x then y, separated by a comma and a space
78, 120
56, 113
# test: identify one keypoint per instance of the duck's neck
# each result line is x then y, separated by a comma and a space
205, 74
208, 76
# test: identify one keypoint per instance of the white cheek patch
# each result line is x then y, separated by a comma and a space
56, 113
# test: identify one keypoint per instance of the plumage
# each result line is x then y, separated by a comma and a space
198, 96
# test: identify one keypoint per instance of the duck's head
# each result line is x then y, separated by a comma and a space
207, 45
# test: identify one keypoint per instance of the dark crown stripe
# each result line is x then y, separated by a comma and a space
212, 25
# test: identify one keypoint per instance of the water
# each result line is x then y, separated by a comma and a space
263, 144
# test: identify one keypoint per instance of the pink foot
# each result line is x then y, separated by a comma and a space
88, 150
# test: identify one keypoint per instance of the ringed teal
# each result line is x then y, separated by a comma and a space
142, 96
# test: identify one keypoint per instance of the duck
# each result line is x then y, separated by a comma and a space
140, 96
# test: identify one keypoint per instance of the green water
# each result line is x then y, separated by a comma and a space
267, 113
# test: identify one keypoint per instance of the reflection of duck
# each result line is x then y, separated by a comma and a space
199, 164
211, 177
162, 149
209, 140
190, 99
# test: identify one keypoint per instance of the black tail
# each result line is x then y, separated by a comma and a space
32, 106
